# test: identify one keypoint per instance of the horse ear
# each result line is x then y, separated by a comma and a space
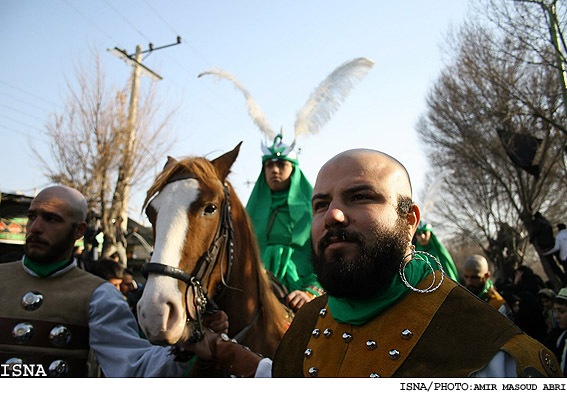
224, 162
170, 161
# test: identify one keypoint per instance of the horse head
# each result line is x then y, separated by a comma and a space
189, 208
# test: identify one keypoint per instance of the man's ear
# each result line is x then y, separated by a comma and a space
80, 230
413, 218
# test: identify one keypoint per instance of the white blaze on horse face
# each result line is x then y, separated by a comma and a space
160, 310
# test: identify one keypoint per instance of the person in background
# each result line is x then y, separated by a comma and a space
477, 280
109, 270
280, 210
546, 299
560, 314
425, 240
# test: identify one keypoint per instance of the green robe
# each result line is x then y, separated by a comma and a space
436, 249
282, 223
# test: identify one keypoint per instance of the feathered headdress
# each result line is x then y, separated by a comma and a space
323, 102
430, 199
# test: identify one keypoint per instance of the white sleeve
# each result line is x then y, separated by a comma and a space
114, 337
264, 369
501, 366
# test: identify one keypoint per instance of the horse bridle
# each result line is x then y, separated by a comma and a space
223, 240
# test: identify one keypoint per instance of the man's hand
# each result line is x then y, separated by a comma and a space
218, 322
296, 299
205, 348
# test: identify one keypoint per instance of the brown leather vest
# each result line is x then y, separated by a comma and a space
447, 333
45, 320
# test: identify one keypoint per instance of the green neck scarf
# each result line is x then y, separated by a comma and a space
358, 312
45, 270
487, 286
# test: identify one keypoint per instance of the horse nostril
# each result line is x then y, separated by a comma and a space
173, 315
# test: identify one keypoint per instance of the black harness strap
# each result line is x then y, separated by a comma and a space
205, 264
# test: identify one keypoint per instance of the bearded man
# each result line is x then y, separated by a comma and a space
66, 321
387, 312
477, 280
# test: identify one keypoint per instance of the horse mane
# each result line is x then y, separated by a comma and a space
198, 166
273, 310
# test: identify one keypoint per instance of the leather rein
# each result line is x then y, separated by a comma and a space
201, 274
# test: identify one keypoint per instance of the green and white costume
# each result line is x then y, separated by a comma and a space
282, 223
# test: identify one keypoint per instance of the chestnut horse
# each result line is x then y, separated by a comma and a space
205, 258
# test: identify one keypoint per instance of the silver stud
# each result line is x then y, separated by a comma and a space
394, 354
316, 332
347, 337
22, 333
323, 312
308, 353
328, 332
58, 368
313, 372
374, 375
32, 301
371, 344
60, 336
407, 334
11, 362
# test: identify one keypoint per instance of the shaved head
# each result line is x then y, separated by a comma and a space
376, 160
56, 219
475, 273
74, 200
476, 263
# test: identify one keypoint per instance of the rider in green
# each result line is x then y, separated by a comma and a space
280, 209
426, 241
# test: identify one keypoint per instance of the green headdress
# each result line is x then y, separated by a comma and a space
279, 151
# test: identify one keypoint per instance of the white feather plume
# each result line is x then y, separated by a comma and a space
253, 108
325, 100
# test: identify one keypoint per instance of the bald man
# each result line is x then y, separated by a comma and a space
385, 314
477, 280
54, 316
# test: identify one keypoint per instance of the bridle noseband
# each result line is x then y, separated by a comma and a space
223, 240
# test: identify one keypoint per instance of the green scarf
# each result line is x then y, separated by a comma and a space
487, 286
289, 257
45, 270
438, 250
358, 312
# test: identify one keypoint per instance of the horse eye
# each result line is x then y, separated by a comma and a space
210, 209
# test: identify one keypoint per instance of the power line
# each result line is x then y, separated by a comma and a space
25, 102
22, 112
161, 17
89, 20
28, 93
127, 21
34, 137
22, 123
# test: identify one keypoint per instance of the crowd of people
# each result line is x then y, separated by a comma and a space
372, 298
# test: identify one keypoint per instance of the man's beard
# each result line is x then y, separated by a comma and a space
364, 275
54, 251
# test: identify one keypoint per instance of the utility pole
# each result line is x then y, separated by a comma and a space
120, 200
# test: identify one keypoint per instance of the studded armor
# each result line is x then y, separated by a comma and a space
447, 333
45, 320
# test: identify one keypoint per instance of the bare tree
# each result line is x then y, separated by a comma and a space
88, 145
495, 116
